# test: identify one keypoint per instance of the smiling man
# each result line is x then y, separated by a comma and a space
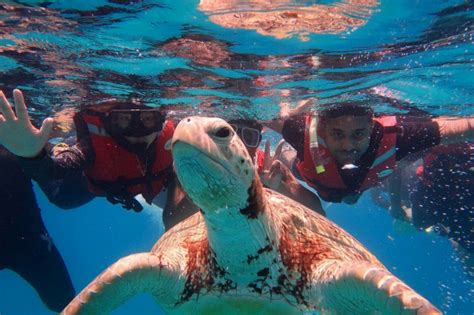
344, 149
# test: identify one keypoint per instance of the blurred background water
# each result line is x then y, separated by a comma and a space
238, 58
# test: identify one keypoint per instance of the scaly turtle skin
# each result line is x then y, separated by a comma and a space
249, 251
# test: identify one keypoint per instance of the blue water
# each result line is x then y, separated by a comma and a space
68, 54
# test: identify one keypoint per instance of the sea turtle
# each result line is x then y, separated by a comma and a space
249, 250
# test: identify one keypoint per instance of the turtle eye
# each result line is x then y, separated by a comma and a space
223, 132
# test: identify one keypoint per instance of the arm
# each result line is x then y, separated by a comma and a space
59, 175
67, 193
56, 165
286, 113
376, 194
453, 130
395, 187
415, 137
275, 124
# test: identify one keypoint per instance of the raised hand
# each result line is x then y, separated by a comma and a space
277, 176
272, 173
17, 134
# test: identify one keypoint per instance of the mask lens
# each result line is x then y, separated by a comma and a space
120, 120
251, 137
135, 122
149, 120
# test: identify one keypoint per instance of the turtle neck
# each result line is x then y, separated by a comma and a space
244, 244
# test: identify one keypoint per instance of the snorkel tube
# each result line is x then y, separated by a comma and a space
314, 145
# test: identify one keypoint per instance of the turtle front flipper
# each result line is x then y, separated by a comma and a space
144, 272
364, 288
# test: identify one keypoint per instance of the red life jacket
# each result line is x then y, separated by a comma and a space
117, 171
259, 160
319, 169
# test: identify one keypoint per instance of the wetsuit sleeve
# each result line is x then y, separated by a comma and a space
293, 133
56, 167
69, 192
416, 137
60, 175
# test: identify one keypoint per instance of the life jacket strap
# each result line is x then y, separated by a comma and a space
314, 145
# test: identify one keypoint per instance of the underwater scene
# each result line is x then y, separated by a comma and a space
236, 157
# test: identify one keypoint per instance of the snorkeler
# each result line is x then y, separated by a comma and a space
436, 194
26, 246
344, 149
444, 196
122, 149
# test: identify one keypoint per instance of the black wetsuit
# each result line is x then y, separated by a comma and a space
444, 198
25, 245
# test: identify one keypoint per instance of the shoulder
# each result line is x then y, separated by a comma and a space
294, 131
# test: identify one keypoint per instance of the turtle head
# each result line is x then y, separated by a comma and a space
212, 163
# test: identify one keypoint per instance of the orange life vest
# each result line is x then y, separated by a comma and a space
319, 169
117, 171
259, 160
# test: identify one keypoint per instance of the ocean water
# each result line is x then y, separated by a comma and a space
205, 57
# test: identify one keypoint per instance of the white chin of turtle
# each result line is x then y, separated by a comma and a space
211, 185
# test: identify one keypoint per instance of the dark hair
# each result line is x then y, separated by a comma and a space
346, 109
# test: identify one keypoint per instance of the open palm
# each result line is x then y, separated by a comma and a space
17, 134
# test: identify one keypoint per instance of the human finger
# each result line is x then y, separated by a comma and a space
45, 129
278, 149
267, 161
5, 107
20, 106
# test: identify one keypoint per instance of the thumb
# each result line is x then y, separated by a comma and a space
46, 128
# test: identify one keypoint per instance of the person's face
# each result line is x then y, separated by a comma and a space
123, 120
347, 137
148, 120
